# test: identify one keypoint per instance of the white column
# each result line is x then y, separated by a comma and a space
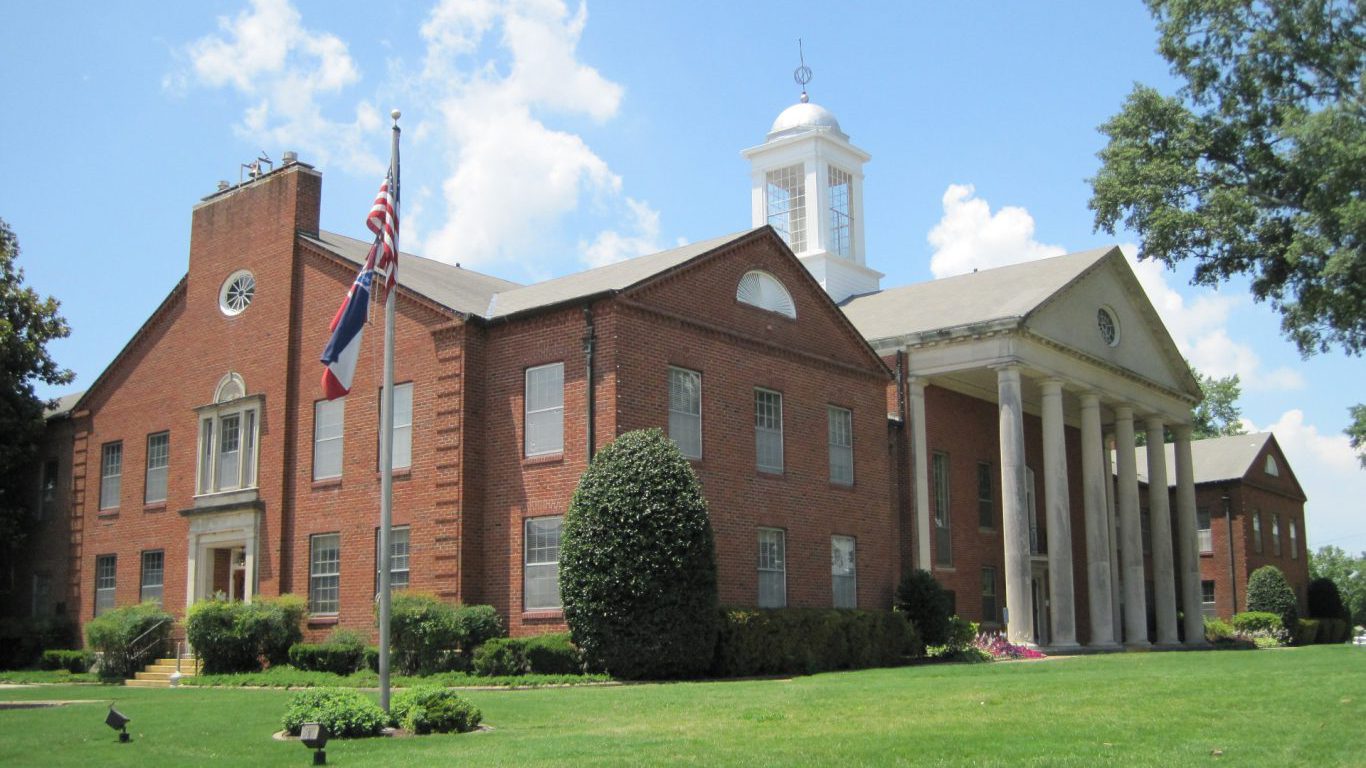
1160, 517
1112, 534
1015, 517
1094, 480
1061, 597
1187, 543
920, 459
1131, 532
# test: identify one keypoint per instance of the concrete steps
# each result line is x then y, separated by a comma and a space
158, 673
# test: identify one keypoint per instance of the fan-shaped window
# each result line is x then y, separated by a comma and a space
765, 292
1271, 467
230, 388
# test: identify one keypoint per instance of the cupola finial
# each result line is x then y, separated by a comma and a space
802, 74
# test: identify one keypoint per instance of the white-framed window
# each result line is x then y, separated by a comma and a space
772, 568
1294, 543
324, 572
990, 611
403, 426
545, 409
398, 557
768, 430
840, 435
1207, 599
1202, 530
47, 501
111, 474
153, 575
939, 479
1257, 530
329, 419
685, 411
840, 238
158, 464
1272, 468
106, 569
227, 439
541, 569
760, 289
986, 505
786, 199
844, 571
1276, 535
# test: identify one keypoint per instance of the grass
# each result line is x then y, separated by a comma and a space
289, 677
1300, 706
46, 676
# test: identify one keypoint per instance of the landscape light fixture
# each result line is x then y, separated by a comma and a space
118, 722
314, 736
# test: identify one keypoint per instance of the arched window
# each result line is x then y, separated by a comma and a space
228, 432
762, 290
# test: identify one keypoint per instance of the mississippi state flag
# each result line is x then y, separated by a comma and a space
339, 358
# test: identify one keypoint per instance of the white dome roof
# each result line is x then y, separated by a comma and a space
803, 117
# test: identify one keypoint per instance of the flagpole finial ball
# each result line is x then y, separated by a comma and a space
396, 114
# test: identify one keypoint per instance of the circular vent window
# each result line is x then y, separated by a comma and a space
237, 292
1109, 327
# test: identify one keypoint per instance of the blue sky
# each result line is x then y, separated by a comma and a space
542, 137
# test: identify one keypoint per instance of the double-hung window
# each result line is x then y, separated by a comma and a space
324, 573
685, 411
1257, 531
1202, 530
768, 430
1276, 535
47, 504
1294, 544
1207, 608
111, 474
403, 426
772, 568
227, 439
153, 574
106, 568
986, 507
843, 571
943, 543
840, 435
329, 418
541, 569
158, 464
545, 409
398, 558
989, 607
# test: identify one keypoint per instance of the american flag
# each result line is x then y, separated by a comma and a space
383, 221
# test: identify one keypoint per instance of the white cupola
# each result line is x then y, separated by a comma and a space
807, 182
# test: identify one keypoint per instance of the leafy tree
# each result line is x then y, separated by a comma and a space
1256, 165
927, 605
638, 562
27, 323
1348, 572
1356, 432
1219, 414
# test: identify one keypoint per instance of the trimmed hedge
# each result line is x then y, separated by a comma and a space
501, 657
345, 712
1254, 621
1267, 590
638, 562
74, 662
434, 710
237, 637
429, 635
342, 654
1307, 631
808, 640
113, 635
550, 654
927, 605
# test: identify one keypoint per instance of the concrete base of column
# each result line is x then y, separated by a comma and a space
1063, 649
1138, 645
1103, 647
1197, 645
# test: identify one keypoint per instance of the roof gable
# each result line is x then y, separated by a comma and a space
1234, 458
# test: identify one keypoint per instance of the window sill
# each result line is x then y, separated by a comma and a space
543, 458
945, 569
156, 506
107, 513
397, 474
1207, 553
549, 614
845, 487
779, 475
327, 483
322, 619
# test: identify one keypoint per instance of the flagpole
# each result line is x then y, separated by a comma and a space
386, 446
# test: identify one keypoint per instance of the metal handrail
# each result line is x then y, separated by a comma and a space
138, 653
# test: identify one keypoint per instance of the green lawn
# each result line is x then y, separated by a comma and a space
1301, 706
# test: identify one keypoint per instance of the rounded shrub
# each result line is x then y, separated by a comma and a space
638, 562
927, 605
434, 710
72, 661
1325, 601
346, 713
129, 638
553, 654
235, 637
423, 634
501, 657
1268, 591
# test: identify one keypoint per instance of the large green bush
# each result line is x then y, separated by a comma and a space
927, 605
72, 661
553, 654
1257, 621
638, 562
429, 635
809, 640
342, 654
346, 713
1267, 590
1325, 600
434, 710
231, 636
501, 657
129, 638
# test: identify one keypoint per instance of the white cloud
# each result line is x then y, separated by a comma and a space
970, 236
1304, 445
611, 246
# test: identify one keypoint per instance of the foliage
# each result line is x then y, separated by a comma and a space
27, 323
230, 636
1324, 600
344, 712
1332, 631
809, 640
1306, 631
476, 625
286, 676
74, 662
1348, 573
553, 654
338, 658
128, 638
926, 604
1217, 629
22, 640
1258, 621
429, 635
51, 677
1356, 431
503, 656
638, 562
1255, 167
434, 710
998, 647
1267, 590
1218, 415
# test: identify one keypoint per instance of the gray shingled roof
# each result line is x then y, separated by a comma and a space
1000, 294
1216, 459
613, 277
463, 290
64, 405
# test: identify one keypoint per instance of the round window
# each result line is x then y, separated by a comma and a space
237, 292
1109, 327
